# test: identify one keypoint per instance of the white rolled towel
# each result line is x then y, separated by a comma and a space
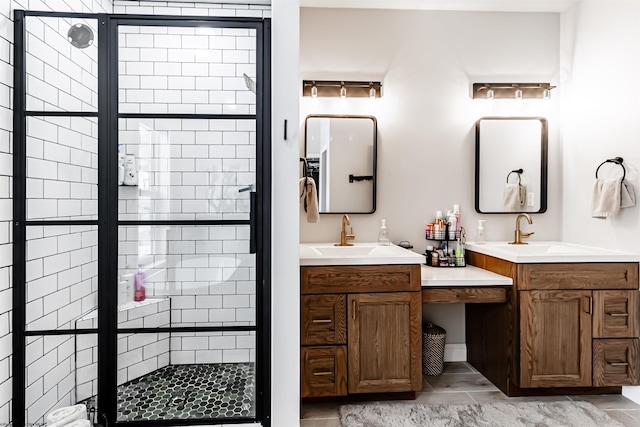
62, 416
79, 423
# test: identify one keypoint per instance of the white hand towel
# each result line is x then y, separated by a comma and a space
79, 423
627, 195
309, 199
65, 415
606, 197
514, 197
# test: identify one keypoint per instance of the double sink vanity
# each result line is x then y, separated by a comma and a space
542, 318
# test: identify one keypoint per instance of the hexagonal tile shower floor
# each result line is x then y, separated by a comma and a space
219, 390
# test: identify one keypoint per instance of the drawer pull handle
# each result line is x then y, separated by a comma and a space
618, 363
321, 321
618, 314
322, 373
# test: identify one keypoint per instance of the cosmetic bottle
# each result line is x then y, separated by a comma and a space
453, 222
383, 235
130, 171
120, 165
480, 232
456, 213
139, 291
126, 282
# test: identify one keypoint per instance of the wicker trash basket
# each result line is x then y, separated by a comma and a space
433, 338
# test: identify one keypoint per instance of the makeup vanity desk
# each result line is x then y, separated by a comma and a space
453, 285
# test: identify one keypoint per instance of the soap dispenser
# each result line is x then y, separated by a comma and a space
480, 232
383, 235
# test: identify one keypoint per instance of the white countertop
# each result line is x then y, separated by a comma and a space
358, 253
461, 276
550, 252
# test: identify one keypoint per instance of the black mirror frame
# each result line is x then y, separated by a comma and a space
375, 153
544, 155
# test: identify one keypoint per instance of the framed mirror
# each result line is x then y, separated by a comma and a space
341, 158
511, 165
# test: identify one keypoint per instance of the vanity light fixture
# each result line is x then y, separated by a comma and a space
342, 89
512, 90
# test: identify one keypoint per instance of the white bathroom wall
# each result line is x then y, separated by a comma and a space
190, 8
600, 120
427, 62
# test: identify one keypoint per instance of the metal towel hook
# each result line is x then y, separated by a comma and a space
617, 161
516, 171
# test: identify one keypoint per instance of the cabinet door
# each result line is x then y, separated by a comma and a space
384, 340
615, 314
555, 338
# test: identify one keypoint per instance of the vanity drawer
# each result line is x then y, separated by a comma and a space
360, 278
615, 362
323, 319
615, 314
466, 295
323, 371
578, 276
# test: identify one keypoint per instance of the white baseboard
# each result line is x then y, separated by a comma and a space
455, 352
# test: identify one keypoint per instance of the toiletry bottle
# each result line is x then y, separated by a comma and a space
456, 213
126, 281
139, 292
383, 235
120, 165
453, 222
459, 254
480, 232
130, 171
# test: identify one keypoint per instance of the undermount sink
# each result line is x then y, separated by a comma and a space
358, 254
537, 252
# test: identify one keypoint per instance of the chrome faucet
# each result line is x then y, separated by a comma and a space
519, 235
343, 234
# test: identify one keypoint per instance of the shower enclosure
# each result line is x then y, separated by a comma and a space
141, 218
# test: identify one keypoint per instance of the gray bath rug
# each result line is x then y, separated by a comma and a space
499, 414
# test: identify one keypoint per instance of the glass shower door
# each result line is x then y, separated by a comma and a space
188, 158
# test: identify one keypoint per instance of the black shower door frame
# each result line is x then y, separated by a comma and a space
108, 221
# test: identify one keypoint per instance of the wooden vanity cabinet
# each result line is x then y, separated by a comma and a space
572, 325
360, 330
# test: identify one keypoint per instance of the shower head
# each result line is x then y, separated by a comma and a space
80, 36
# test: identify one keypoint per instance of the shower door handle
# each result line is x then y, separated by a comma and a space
252, 222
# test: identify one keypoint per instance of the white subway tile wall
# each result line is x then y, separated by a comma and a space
138, 354
62, 168
61, 275
206, 271
213, 347
188, 169
70, 85
186, 70
51, 374
60, 77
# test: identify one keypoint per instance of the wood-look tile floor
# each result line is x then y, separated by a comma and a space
460, 383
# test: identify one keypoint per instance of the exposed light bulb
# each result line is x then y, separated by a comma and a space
372, 92
546, 94
343, 92
490, 94
518, 94
314, 91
